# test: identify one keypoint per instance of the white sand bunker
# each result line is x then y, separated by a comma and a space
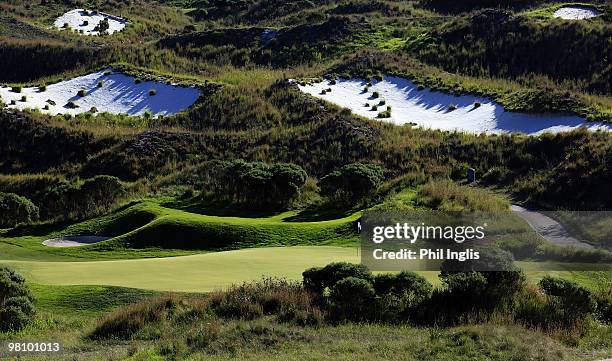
73, 241
576, 12
436, 110
103, 91
88, 22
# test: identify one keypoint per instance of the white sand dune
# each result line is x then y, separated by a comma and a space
80, 19
576, 12
73, 241
119, 94
430, 109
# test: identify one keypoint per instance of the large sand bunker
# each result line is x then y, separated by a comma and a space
73, 241
436, 110
576, 12
86, 22
103, 91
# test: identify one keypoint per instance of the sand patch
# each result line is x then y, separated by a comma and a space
437, 110
103, 91
74, 241
86, 22
576, 12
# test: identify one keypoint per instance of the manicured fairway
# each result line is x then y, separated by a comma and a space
210, 271
196, 273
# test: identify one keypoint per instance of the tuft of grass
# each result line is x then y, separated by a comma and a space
82, 93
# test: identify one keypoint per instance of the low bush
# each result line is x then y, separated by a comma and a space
317, 279
82, 93
124, 322
16, 301
16, 89
352, 298
351, 182
71, 105
573, 301
152, 92
42, 88
15, 209
24, 98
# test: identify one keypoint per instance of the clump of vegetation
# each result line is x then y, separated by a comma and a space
137, 81
152, 92
93, 110
100, 84
15, 209
42, 88
16, 89
71, 105
82, 93
16, 301
452, 107
24, 98
375, 95
385, 114
102, 26
477, 104
352, 182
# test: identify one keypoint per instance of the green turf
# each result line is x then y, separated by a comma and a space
148, 229
196, 273
207, 272
86, 301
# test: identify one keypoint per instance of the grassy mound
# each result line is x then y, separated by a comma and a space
177, 229
150, 229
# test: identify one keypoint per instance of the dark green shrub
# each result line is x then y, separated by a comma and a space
452, 107
403, 283
574, 300
24, 98
15, 209
71, 105
102, 26
477, 104
352, 299
375, 95
351, 182
16, 89
82, 93
137, 81
100, 84
317, 279
42, 88
16, 301
152, 92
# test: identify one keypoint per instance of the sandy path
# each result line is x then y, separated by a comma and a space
73, 241
549, 228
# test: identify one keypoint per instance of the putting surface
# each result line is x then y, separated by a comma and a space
196, 273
